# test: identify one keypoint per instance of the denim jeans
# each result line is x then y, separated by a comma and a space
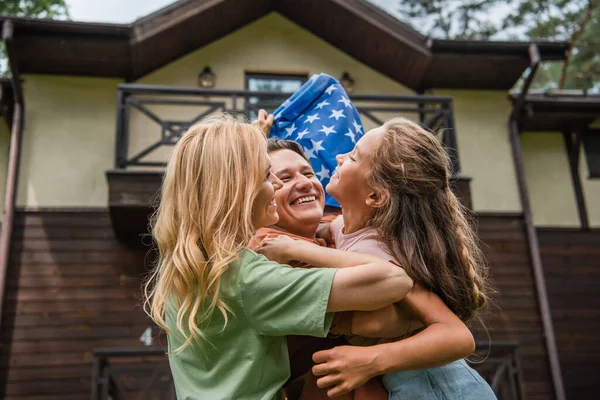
454, 381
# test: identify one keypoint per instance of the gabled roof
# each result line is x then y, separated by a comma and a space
354, 26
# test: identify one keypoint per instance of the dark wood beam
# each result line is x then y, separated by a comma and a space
573, 148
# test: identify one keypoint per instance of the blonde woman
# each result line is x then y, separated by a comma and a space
227, 310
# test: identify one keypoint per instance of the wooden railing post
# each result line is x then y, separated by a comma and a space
120, 150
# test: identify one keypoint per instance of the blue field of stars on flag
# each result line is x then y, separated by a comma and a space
321, 118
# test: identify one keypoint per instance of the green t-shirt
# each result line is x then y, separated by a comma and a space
249, 359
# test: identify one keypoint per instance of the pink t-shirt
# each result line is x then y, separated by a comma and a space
364, 240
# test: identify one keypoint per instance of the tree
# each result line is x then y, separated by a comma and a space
51, 9
453, 19
576, 21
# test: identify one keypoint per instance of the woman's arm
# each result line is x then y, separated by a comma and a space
369, 286
445, 339
363, 281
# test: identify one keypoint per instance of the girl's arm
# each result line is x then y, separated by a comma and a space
445, 339
364, 282
283, 249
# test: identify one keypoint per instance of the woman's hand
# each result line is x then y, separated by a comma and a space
264, 122
277, 249
344, 368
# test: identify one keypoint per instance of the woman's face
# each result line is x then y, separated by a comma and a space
264, 209
348, 185
301, 200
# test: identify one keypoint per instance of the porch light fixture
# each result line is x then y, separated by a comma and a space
207, 78
347, 82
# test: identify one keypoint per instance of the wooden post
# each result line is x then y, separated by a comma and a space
573, 150
534, 246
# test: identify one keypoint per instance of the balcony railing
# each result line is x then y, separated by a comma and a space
500, 367
151, 101
132, 374
143, 373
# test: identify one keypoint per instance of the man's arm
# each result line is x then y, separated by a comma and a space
324, 232
264, 122
388, 322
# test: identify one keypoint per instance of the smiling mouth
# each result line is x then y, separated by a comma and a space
304, 200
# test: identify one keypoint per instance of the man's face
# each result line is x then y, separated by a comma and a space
301, 200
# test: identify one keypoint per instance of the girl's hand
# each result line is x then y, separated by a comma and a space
277, 249
264, 122
344, 368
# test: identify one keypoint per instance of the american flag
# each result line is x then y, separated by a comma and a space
321, 118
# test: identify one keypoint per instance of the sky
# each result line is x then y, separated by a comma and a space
115, 11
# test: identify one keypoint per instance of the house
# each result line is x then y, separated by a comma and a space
92, 110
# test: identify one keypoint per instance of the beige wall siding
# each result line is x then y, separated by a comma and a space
271, 44
70, 125
68, 141
481, 119
4, 148
70, 121
549, 180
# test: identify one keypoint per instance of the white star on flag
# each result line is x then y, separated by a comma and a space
337, 114
290, 131
312, 118
309, 153
302, 134
323, 173
327, 130
322, 104
351, 135
346, 101
330, 89
317, 145
357, 126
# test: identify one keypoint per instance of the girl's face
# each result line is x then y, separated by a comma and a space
348, 185
264, 209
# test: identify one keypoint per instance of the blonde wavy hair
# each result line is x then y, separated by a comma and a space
425, 226
204, 218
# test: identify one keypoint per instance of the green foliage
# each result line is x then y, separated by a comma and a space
584, 68
546, 19
453, 19
576, 21
35, 8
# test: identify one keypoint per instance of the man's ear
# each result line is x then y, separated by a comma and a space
378, 198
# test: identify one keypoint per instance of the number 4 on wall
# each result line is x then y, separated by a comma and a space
146, 337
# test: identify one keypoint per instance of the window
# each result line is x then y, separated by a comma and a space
258, 82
